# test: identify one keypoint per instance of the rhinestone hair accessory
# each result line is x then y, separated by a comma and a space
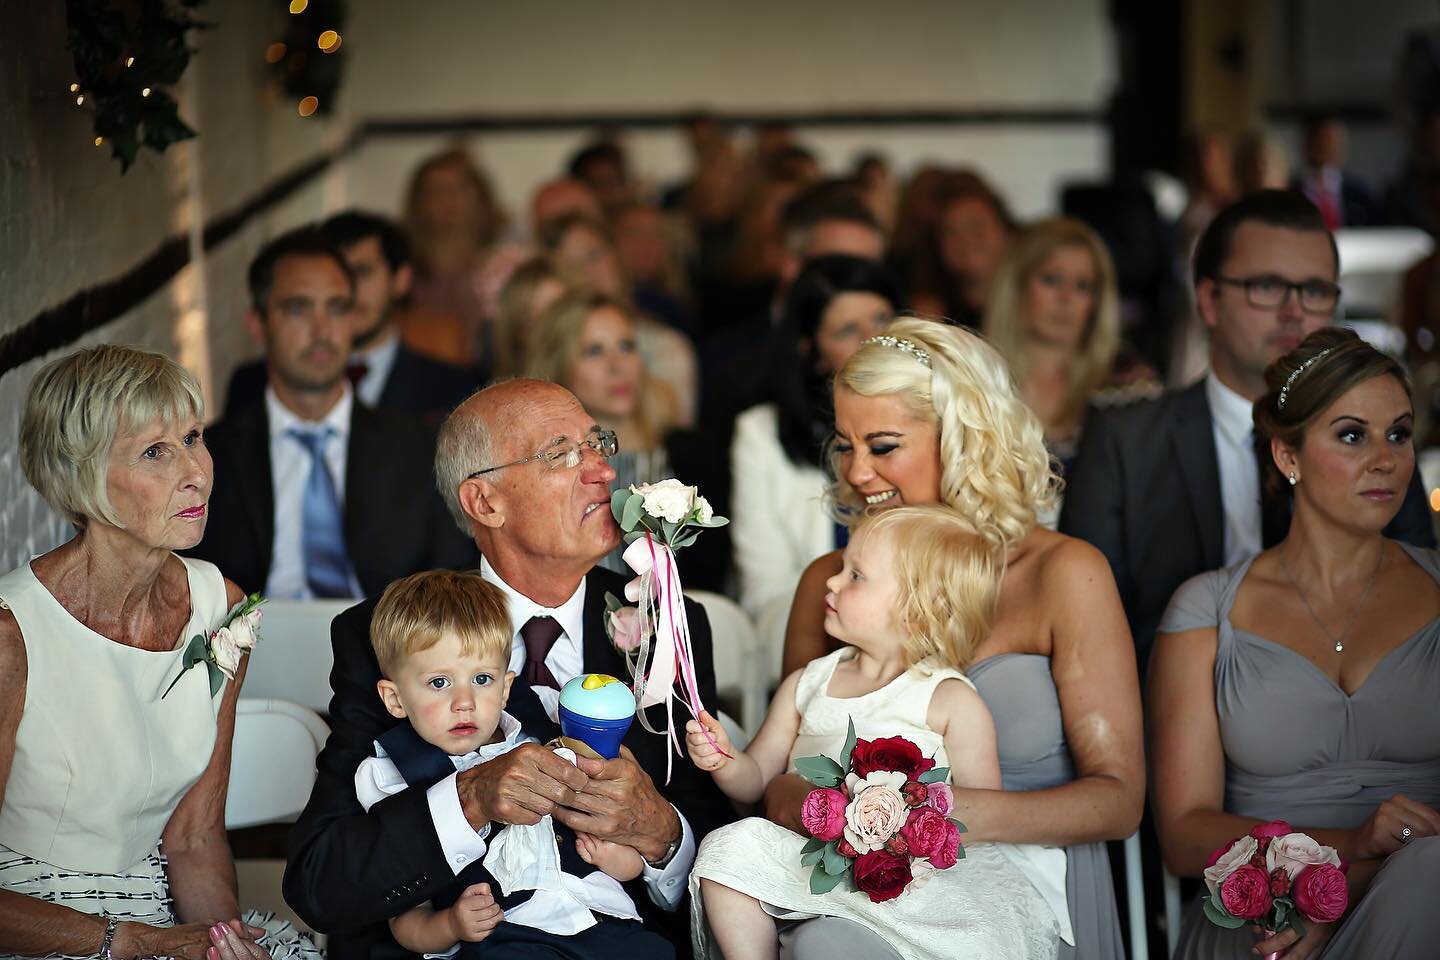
1295, 375
909, 346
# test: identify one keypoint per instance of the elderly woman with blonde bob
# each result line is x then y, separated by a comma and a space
112, 793
928, 414
1054, 315
914, 598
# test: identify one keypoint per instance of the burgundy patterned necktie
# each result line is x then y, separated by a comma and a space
539, 634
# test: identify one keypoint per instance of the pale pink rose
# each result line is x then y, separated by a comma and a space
246, 630
226, 650
625, 630
942, 798
704, 512
1231, 860
876, 814
1295, 851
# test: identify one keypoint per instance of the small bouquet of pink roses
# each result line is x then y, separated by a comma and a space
1275, 877
878, 818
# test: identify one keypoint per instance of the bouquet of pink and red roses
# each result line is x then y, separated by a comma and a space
1275, 877
878, 818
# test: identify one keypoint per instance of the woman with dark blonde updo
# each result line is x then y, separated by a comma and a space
1300, 684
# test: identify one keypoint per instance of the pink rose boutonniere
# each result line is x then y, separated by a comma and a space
226, 645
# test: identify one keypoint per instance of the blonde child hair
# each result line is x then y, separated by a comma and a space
416, 611
948, 578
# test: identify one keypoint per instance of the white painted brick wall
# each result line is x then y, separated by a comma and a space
69, 219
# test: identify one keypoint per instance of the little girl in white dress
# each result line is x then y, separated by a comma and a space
913, 600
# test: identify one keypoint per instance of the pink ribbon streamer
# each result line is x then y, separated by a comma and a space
661, 609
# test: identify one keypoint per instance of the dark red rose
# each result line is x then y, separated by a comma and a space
843, 847
1279, 882
898, 846
888, 753
1264, 844
882, 876
1271, 830
1258, 861
915, 793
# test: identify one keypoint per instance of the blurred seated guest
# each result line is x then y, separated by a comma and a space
1342, 198
1300, 685
114, 759
1054, 316
385, 372
454, 226
1405, 200
587, 342
533, 286
780, 521
317, 495
878, 188
915, 217
582, 247
645, 244
1261, 163
602, 167
563, 197
971, 233
1211, 179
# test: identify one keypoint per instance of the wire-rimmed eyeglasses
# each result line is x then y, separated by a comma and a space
565, 452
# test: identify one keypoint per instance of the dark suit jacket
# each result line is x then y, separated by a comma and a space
1145, 490
395, 522
418, 386
349, 871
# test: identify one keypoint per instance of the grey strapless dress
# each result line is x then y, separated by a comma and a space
1021, 694
1299, 748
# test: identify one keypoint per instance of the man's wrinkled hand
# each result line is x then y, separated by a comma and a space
619, 803
518, 787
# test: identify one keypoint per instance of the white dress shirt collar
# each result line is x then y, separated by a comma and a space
570, 614
1233, 414
282, 418
379, 360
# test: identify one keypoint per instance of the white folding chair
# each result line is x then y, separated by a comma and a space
736, 666
1135, 898
1172, 912
292, 661
272, 761
770, 626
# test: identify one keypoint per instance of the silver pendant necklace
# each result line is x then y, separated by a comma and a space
1359, 604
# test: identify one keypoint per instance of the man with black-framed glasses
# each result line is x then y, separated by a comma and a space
1170, 487
523, 469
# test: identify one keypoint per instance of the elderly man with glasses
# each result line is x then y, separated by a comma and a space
523, 470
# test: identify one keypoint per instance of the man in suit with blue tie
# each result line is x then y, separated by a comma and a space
386, 374
523, 470
317, 495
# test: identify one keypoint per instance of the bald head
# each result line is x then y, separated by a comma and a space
481, 432
560, 197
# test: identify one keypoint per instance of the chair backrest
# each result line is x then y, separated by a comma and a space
737, 664
292, 661
272, 761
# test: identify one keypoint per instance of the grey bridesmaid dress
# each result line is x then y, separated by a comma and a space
1030, 738
1299, 748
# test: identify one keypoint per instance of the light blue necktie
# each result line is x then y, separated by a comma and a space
322, 538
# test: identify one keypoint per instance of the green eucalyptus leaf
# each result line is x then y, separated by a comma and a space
821, 771
633, 513
618, 499
822, 882
813, 857
195, 651
935, 775
849, 744
217, 678
1297, 923
958, 825
1219, 916
612, 602
834, 864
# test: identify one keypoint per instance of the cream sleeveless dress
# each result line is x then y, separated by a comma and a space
101, 760
989, 905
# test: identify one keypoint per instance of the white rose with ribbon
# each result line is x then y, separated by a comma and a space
658, 519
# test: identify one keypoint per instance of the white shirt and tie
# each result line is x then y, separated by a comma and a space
290, 465
463, 844
1232, 422
379, 360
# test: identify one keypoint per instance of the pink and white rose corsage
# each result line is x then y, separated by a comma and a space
226, 645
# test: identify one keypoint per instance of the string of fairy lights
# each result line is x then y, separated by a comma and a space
128, 53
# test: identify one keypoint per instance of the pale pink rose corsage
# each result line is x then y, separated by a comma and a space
225, 647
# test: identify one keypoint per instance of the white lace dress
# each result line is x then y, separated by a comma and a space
983, 907
102, 758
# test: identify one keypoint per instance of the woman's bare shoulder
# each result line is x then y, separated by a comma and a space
822, 568
14, 665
